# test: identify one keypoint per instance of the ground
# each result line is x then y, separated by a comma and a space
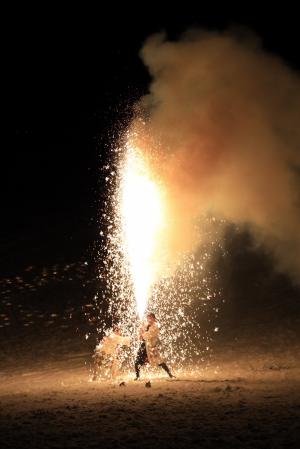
221, 406
245, 393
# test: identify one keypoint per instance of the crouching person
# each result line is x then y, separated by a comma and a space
107, 352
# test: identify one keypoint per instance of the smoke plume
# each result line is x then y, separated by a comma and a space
223, 117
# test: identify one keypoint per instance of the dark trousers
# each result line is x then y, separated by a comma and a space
141, 359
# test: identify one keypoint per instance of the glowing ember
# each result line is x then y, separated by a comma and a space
141, 220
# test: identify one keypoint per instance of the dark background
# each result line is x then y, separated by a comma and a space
71, 78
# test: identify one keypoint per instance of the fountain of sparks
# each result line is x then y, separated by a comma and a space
186, 300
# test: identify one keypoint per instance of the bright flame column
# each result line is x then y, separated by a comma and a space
142, 220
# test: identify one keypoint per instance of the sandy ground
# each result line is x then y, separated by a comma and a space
58, 406
246, 394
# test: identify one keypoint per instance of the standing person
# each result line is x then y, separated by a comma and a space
106, 353
149, 348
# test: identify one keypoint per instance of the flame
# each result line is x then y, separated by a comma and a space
142, 219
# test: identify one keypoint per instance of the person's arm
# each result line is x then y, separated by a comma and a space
142, 331
152, 333
122, 340
126, 341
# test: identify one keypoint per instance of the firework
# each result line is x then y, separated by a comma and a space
184, 295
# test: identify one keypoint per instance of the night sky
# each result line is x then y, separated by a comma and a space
72, 77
